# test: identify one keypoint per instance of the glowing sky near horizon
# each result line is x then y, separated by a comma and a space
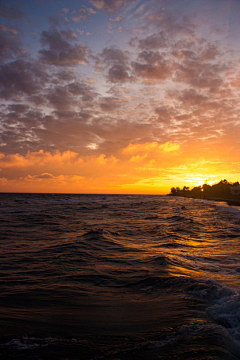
124, 96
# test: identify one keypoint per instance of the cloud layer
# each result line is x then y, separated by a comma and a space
87, 101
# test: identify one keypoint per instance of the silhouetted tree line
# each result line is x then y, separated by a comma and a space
219, 190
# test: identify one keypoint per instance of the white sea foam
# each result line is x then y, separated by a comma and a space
226, 311
225, 308
29, 343
21, 344
224, 207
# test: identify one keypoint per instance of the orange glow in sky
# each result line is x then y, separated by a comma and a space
119, 96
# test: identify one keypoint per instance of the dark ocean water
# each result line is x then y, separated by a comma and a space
118, 277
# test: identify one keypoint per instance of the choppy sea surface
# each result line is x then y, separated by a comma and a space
118, 277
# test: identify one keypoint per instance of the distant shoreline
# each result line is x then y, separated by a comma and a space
229, 201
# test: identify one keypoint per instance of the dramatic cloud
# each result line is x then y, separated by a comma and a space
156, 102
152, 66
59, 50
199, 74
117, 62
20, 78
74, 94
119, 73
113, 55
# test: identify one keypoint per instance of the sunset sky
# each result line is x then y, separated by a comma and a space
118, 96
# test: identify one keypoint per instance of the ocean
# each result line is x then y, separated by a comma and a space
118, 277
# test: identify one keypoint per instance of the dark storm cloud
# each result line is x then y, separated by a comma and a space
20, 77
13, 12
60, 51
